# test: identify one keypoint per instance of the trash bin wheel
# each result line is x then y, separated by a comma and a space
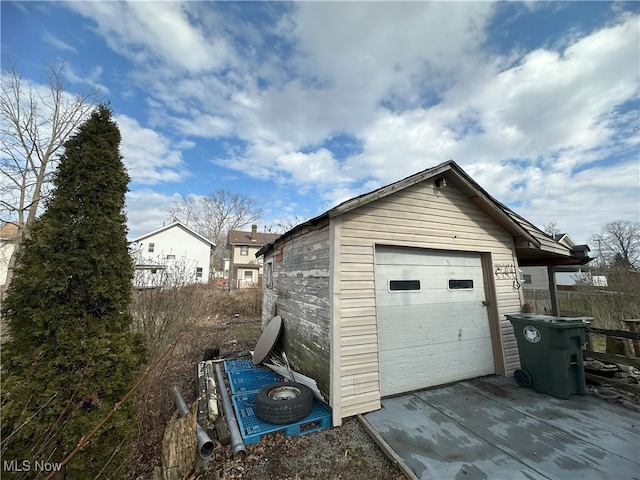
523, 378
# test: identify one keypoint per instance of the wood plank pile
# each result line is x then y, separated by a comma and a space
625, 373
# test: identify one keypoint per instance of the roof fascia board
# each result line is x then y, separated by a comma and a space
389, 189
171, 225
546, 261
290, 233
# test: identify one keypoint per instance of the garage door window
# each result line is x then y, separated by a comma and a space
404, 285
460, 284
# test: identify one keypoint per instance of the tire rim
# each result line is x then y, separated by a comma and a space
284, 393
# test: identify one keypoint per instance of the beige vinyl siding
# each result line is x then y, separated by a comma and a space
418, 216
509, 301
359, 341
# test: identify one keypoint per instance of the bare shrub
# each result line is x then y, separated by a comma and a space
618, 301
248, 301
162, 314
204, 316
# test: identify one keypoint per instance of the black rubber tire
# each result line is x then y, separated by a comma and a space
523, 378
296, 404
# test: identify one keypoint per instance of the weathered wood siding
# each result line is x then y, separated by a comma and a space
418, 216
300, 294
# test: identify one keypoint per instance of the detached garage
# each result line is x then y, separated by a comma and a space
404, 288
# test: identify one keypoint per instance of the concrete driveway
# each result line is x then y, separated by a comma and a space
490, 428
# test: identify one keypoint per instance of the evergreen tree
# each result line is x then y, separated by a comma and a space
71, 354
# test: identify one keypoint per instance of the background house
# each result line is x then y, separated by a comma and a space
404, 288
565, 275
8, 240
171, 255
245, 270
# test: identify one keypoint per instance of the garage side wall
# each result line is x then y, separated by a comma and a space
299, 293
419, 216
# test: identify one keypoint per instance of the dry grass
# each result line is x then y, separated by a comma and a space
217, 327
619, 301
161, 315
231, 322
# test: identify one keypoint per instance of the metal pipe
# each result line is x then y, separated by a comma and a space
237, 445
205, 444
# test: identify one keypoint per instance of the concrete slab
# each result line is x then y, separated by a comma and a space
490, 428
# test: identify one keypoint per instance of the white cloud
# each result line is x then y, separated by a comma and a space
349, 59
554, 100
151, 32
584, 202
148, 155
203, 125
409, 80
57, 43
352, 56
555, 113
147, 211
86, 81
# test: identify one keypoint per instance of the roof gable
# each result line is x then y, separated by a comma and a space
174, 224
239, 237
564, 239
531, 243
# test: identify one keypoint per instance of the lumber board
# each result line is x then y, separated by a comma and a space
613, 382
614, 333
611, 358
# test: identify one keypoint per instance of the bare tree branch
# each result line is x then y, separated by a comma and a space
214, 215
618, 244
551, 229
35, 122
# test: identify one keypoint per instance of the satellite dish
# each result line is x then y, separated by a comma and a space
267, 340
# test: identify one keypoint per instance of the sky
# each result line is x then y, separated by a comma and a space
304, 105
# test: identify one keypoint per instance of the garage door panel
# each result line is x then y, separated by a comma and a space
439, 313
412, 369
437, 334
429, 274
431, 289
441, 325
428, 298
435, 342
389, 256
433, 284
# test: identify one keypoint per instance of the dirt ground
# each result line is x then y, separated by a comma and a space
345, 452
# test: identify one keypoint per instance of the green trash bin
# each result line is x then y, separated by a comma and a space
550, 350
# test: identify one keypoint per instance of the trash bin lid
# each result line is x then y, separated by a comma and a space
550, 320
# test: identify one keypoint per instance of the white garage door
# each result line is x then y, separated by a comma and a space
433, 326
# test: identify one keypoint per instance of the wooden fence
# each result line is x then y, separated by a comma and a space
625, 356
571, 303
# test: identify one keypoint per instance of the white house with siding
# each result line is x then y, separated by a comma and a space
537, 277
404, 288
172, 255
8, 239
